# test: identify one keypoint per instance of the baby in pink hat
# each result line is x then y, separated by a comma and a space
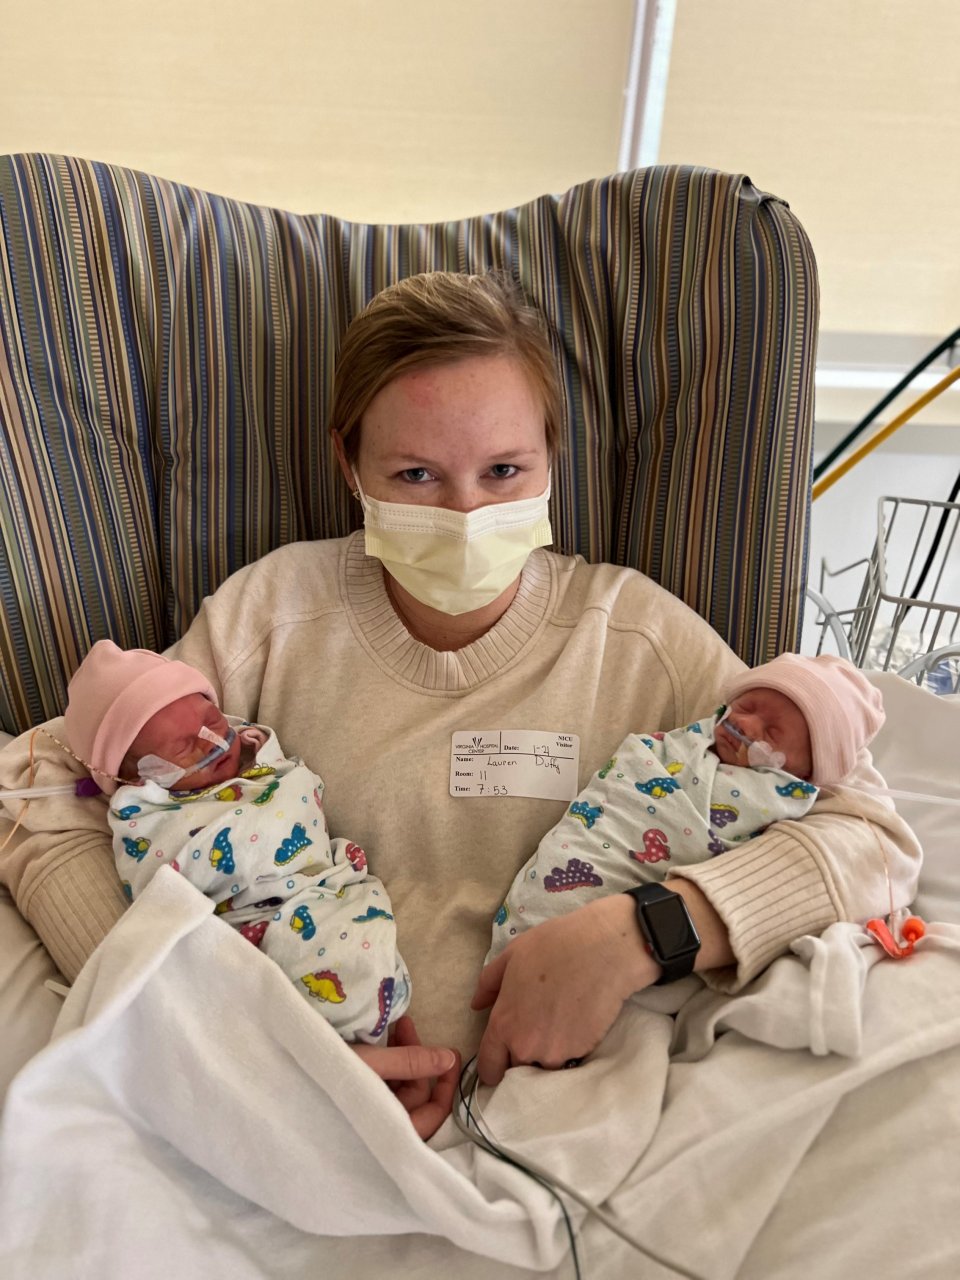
215, 798
790, 727
816, 712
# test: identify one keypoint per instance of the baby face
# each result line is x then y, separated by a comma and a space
173, 734
766, 715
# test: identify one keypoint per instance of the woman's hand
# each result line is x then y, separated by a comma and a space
557, 989
424, 1077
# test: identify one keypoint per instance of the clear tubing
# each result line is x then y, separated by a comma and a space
165, 774
34, 793
758, 753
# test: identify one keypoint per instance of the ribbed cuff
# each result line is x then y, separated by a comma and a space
75, 904
768, 892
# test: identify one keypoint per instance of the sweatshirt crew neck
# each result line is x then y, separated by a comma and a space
395, 650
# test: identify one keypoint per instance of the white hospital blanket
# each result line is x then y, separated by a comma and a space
222, 1128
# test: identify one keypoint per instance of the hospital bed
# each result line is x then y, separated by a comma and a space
152, 335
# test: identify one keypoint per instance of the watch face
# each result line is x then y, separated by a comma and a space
671, 933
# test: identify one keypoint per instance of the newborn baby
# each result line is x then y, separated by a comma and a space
790, 727
215, 798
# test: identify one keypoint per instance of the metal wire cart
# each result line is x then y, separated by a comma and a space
907, 615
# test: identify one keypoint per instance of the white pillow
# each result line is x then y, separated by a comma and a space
918, 749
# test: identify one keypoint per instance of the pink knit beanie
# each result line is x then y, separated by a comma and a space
113, 694
842, 709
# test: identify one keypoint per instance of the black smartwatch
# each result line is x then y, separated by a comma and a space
667, 929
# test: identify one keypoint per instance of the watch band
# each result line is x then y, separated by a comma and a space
667, 929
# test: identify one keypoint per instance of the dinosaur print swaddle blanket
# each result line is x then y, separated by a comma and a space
258, 845
662, 799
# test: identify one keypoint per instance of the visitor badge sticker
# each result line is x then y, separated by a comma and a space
515, 762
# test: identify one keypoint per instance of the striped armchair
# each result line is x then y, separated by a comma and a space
166, 362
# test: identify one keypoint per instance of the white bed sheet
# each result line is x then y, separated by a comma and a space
187, 1123
918, 749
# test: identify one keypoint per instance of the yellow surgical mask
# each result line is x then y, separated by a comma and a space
455, 561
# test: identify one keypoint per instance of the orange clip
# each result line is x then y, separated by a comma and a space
912, 931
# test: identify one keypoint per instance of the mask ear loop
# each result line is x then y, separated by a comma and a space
759, 754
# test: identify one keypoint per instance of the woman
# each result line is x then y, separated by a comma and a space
445, 419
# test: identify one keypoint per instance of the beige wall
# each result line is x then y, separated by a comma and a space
378, 110
849, 109
389, 110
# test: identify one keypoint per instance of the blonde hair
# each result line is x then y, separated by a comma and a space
435, 318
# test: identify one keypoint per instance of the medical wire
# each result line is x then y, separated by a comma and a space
469, 1080
937, 539
922, 796
26, 804
35, 793
883, 433
486, 1143
899, 937
948, 343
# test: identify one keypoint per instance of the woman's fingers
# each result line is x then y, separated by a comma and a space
557, 989
406, 1062
430, 1115
493, 1058
413, 1094
422, 1077
488, 984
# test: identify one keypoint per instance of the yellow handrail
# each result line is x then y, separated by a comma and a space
841, 469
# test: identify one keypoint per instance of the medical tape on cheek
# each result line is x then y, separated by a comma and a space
216, 752
163, 772
759, 753
209, 736
166, 774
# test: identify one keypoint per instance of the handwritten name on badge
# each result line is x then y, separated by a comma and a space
514, 762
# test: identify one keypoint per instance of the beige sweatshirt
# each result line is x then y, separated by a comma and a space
306, 640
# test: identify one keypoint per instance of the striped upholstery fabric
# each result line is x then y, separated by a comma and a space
166, 361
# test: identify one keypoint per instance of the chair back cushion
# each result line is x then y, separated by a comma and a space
166, 367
